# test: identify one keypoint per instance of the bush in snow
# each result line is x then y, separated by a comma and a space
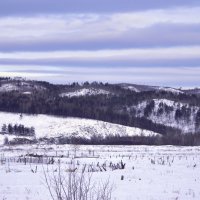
75, 185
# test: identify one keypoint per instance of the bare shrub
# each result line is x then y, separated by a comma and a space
76, 185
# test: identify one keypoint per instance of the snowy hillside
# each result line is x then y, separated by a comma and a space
21, 86
130, 87
85, 92
145, 88
170, 113
50, 126
172, 90
8, 88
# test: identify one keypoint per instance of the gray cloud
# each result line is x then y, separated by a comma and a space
166, 76
192, 62
159, 35
29, 7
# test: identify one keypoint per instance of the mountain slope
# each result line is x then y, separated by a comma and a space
20, 85
162, 111
146, 88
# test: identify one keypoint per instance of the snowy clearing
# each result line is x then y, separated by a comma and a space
172, 90
8, 87
130, 87
151, 172
51, 126
23, 86
85, 92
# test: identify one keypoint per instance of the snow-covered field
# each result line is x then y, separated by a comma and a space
51, 126
151, 173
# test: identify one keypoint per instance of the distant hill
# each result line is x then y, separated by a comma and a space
163, 110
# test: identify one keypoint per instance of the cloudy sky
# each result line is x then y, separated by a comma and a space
153, 42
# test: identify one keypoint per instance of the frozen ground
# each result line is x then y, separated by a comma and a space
151, 173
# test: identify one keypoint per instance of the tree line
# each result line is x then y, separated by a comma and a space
18, 130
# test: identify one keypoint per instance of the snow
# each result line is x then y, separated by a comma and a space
30, 86
130, 87
168, 118
167, 102
172, 90
8, 87
51, 126
25, 87
190, 88
142, 105
151, 88
165, 172
85, 92
11, 137
27, 93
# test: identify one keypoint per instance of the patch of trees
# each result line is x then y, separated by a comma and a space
149, 108
197, 121
183, 113
18, 130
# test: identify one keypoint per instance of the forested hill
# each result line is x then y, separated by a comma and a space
161, 109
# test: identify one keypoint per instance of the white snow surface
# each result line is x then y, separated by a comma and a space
51, 126
85, 92
27, 93
151, 173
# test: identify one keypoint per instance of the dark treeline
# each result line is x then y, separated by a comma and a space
172, 139
18, 130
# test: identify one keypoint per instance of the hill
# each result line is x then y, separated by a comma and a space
47, 127
163, 110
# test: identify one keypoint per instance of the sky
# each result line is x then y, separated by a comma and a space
153, 42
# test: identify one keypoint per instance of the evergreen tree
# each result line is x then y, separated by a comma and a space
10, 129
4, 128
